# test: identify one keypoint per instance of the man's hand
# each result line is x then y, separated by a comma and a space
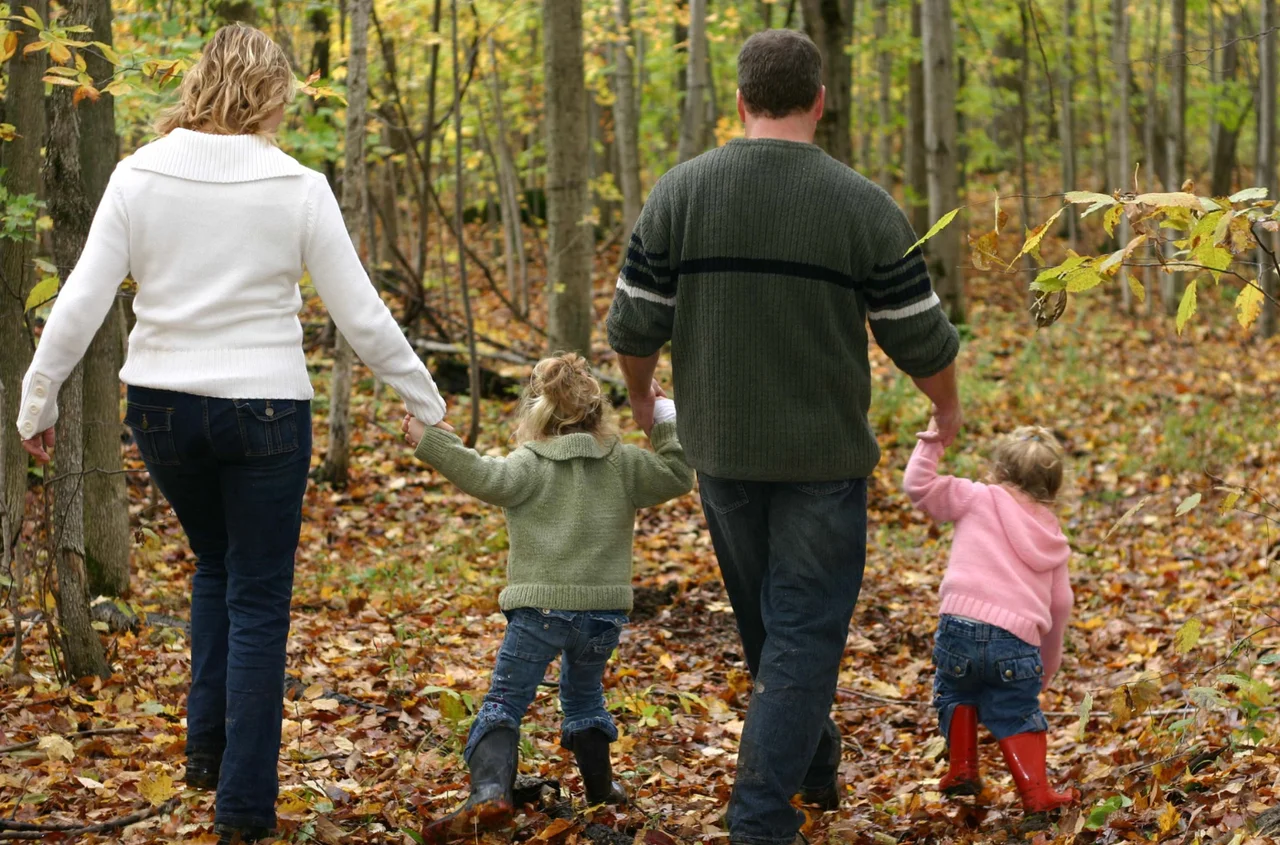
40, 445
930, 434
942, 392
946, 424
642, 405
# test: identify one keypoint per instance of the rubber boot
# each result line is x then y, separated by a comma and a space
231, 835
963, 777
591, 750
490, 805
202, 770
1025, 756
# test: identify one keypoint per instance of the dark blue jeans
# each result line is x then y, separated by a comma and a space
235, 472
792, 556
991, 669
582, 640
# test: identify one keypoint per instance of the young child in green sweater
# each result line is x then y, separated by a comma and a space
570, 492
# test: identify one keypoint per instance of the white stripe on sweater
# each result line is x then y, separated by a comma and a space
906, 310
640, 293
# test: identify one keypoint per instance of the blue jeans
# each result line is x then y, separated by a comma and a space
582, 640
235, 472
991, 669
792, 556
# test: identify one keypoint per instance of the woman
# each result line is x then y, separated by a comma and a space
215, 225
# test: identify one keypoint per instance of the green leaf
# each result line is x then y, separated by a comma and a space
1268, 659
1112, 217
1086, 278
1098, 815
935, 229
1188, 636
1078, 197
1187, 505
1248, 194
1128, 515
1249, 305
45, 290
1187, 308
1139, 292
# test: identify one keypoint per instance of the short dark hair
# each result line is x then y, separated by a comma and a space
779, 73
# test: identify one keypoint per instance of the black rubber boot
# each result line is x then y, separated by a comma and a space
231, 835
202, 771
490, 806
591, 749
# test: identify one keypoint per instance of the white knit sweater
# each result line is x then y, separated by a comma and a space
215, 230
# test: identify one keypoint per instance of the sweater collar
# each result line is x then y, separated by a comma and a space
569, 446
204, 157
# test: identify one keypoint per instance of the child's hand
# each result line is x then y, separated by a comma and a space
931, 434
413, 429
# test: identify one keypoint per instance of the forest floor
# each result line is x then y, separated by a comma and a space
1163, 714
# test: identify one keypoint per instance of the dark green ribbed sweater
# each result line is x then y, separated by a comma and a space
763, 262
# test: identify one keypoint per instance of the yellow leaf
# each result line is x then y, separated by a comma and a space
1188, 636
157, 787
1176, 200
10, 46
1187, 308
1034, 236
59, 53
935, 229
1169, 818
57, 748
8, 132
45, 290
983, 250
1139, 292
1249, 305
1111, 218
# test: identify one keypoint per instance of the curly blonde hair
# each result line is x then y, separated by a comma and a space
241, 79
563, 397
1030, 459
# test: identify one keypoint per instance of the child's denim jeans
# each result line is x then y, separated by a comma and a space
582, 640
991, 669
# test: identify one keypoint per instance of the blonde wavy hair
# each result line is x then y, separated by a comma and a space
1030, 459
241, 79
563, 397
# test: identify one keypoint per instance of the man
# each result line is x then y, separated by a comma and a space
762, 262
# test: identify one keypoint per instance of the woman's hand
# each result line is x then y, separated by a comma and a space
40, 445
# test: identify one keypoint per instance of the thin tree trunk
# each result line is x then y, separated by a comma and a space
829, 23
1266, 155
509, 197
884, 67
1155, 14
916, 166
355, 187
1102, 168
1121, 177
1229, 121
106, 503
693, 126
626, 118
1171, 283
428, 143
20, 159
940, 144
71, 213
1066, 116
570, 238
1024, 72
459, 207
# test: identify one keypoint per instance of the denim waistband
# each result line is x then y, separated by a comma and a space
973, 630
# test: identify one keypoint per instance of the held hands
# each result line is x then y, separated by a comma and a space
40, 445
642, 406
414, 428
943, 426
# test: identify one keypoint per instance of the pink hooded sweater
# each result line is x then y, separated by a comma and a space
1008, 563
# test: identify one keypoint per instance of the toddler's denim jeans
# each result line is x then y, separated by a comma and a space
583, 640
991, 669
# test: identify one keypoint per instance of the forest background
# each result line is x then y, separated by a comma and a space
1111, 165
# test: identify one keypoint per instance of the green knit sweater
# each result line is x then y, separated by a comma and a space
763, 262
571, 505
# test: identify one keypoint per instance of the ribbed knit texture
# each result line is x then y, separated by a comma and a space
216, 230
1008, 564
570, 505
761, 262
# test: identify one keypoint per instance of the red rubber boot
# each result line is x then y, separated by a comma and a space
963, 777
1025, 755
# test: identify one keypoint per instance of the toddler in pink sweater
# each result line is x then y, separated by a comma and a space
1006, 598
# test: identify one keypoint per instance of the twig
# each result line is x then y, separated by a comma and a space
21, 746
905, 702
27, 830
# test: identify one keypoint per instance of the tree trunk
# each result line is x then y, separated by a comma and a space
940, 146
459, 206
355, 187
1102, 167
626, 120
829, 25
1229, 120
1024, 72
570, 237
1155, 13
1266, 155
884, 67
1171, 283
106, 502
1121, 177
693, 129
916, 165
71, 212
20, 159
1066, 117
509, 198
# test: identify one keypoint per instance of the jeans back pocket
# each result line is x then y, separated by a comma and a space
152, 428
1011, 670
267, 426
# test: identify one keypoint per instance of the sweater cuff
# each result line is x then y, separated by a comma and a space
434, 443
662, 434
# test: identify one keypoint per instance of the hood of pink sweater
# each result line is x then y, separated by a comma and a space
1038, 541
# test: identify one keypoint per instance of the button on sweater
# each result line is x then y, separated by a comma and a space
1008, 564
570, 504
216, 230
